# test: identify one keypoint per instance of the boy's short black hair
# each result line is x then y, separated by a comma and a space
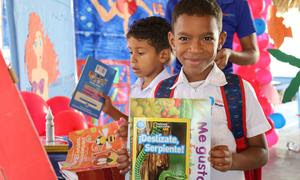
198, 8
153, 29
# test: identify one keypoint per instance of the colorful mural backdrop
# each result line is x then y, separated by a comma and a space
101, 25
43, 46
100, 28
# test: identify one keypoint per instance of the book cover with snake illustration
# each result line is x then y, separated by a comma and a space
165, 138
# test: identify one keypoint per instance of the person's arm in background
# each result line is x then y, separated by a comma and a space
249, 54
145, 7
246, 32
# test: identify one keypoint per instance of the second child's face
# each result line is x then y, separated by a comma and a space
145, 61
195, 40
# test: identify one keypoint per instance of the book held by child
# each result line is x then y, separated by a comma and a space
95, 79
93, 148
161, 144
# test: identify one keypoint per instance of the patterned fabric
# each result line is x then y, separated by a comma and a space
234, 102
163, 89
233, 95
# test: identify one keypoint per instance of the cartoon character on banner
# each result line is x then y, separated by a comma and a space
40, 57
121, 8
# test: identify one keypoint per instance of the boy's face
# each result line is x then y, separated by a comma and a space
195, 40
144, 59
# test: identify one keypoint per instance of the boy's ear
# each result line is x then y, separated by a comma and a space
165, 55
171, 40
222, 39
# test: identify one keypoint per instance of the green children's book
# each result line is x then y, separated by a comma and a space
170, 138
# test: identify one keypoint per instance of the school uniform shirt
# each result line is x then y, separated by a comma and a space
137, 91
221, 135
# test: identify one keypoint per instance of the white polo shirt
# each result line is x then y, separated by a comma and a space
138, 92
221, 135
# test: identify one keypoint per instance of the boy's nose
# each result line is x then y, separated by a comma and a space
195, 47
133, 59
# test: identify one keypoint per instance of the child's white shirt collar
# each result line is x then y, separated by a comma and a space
215, 77
161, 76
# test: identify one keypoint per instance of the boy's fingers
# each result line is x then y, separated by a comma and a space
219, 161
216, 147
125, 170
122, 158
218, 154
219, 151
122, 151
122, 133
123, 166
221, 167
221, 147
103, 95
124, 126
122, 121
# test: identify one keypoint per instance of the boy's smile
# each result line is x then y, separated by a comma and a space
195, 40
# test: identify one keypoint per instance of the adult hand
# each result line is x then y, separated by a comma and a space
223, 57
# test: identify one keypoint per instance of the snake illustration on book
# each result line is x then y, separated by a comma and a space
175, 169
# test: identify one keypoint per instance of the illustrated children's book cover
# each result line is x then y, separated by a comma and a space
96, 78
170, 138
93, 148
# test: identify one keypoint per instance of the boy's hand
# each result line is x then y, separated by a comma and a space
123, 161
107, 106
110, 110
123, 129
223, 57
221, 158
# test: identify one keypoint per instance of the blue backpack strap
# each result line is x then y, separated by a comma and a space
235, 108
233, 95
163, 89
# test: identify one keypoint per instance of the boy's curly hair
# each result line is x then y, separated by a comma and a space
154, 29
198, 8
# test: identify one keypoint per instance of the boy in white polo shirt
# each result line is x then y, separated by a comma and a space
195, 39
150, 51
149, 48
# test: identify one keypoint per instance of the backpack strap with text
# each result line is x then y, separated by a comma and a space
233, 95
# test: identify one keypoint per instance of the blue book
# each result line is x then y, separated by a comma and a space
96, 78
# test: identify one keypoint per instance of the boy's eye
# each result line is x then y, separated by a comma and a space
141, 53
208, 38
183, 38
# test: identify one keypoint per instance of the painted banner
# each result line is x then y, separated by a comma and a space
101, 25
43, 45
